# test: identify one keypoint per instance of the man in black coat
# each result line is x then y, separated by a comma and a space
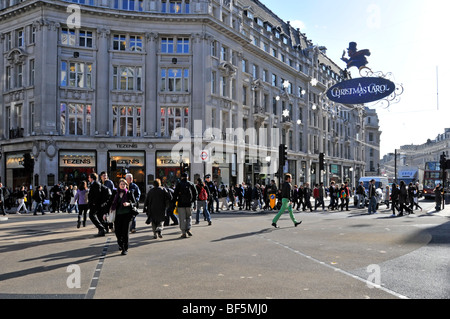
307, 192
213, 195
95, 205
395, 196
156, 202
170, 208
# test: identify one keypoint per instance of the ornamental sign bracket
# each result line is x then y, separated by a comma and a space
371, 87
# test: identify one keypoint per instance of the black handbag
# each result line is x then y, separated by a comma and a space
134, 210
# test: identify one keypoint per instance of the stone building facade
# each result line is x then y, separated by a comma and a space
144, 85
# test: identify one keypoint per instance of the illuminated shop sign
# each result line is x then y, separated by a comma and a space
77, 159
128, 159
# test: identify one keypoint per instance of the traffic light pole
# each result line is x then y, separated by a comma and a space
282, 158
444, 167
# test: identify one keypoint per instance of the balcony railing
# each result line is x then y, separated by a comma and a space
16, 133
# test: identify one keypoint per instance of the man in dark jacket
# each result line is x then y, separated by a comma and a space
286, 195
156, 202
39, 197
185, 194
395, 195
56, 195
212, 193
95, 205
372, 197
239, 193
307, 192
170, 208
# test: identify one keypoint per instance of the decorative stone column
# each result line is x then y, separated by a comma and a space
152, 115
102, 108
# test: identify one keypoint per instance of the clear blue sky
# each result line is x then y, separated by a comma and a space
408, 38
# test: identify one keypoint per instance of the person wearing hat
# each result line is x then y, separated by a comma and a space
185, 194
356, 58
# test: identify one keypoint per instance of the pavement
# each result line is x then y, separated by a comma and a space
240, 257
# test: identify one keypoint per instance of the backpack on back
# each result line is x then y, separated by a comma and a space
203, 194
185, 195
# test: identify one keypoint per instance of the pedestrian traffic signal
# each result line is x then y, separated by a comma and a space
321, 162
185, 168
28, 162
282, 151
443, 162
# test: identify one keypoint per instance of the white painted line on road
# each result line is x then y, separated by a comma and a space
336, 269
94, 281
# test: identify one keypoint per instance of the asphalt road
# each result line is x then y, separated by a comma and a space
331, 255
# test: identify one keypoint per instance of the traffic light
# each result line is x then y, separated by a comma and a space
321, 162
282, 152
443, 162
185, 168
28, 163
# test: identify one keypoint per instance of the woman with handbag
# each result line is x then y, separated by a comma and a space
124, 206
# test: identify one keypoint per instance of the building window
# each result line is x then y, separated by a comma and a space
76, 74
89, 2
119, 42
32, 34
175, 80
173, 118
135, 43
9, 84
127, 78
175, 6
68, 36
169, 45
214, 48
224, 90
20, 40
75, 119
213, 82
8, 41
244, 95
224, 53
127, 121
32, 72
85, 39
129, 5
131, 43
183, 45
19, 75
32, 116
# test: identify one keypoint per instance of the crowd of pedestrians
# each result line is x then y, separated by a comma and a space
115, 208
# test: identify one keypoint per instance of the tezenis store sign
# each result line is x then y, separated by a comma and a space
361, 90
